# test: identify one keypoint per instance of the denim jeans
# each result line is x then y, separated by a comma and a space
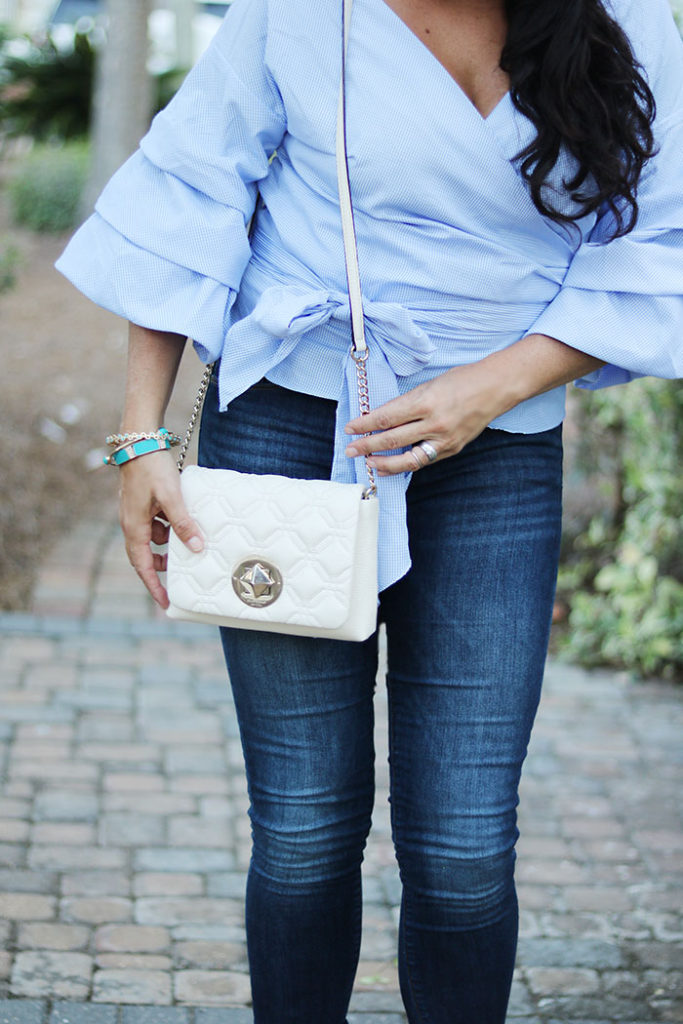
467, 632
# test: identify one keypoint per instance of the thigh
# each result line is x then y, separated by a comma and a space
304, 705
269, 429
305, 712
468, 630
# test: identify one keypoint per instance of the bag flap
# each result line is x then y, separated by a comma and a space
306, 529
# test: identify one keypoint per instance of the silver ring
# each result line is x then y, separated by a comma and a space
418, 461
429, 450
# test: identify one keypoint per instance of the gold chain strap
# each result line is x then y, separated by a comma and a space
198, 403
360, 359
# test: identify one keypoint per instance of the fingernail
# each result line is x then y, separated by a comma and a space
351, 452
195, 544
347, 430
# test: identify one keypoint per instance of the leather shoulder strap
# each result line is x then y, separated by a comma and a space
345, 204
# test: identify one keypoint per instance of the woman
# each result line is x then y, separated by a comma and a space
516, 231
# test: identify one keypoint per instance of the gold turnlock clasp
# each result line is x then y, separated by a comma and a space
257, 583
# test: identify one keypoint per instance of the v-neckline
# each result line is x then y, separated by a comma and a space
484, 118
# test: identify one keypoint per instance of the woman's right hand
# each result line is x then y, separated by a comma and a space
150, 500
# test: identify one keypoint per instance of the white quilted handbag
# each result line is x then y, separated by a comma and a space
285, 555
289, 556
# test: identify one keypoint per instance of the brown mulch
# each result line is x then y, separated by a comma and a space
61, 387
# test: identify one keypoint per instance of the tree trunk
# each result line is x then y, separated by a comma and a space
184, 14
9, 10
122, 102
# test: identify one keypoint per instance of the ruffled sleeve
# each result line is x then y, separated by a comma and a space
167, 244
622, 300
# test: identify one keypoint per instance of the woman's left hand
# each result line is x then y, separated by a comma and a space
448, 411
452, 409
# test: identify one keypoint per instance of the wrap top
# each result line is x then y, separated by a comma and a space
456, 262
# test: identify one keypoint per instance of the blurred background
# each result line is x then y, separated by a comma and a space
79, 83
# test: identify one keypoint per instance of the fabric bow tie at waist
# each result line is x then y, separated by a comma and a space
397, 347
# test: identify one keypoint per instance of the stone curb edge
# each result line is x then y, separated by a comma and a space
36, 1011
25, 623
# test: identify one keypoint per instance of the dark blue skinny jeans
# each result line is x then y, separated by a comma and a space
467, 632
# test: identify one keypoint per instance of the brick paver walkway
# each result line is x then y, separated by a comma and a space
124, 838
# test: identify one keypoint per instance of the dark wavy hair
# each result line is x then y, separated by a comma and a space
574, 75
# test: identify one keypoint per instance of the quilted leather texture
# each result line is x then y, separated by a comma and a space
320, 534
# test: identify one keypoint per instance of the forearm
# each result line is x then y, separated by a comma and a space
153, 360
534, 365
150, 494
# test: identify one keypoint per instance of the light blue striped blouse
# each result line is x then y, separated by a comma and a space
456, 262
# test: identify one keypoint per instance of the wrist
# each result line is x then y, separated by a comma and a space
532, 366
508, 384
495, 384
142, 420
128, 447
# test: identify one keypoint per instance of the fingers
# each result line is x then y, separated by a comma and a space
396, 413
151, 499
186, 529
400, 424
160, 531
174, 511
407, 462
159, 561
147, 565
387, 440
447, 411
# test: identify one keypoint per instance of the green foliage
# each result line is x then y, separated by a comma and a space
9, 259
625, 577
45, 191
47, 93
166, 85
677, 8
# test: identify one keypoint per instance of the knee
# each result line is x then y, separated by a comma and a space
459, 892
304, 849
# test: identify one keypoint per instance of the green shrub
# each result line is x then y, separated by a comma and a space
166, 85
677, 8
624, 578
47, 94
9, 258
45, 191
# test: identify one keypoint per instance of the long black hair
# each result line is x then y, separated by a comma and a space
574, 75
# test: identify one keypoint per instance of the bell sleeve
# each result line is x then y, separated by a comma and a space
622, 300
167, 244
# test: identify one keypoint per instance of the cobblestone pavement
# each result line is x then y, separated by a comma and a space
124, 839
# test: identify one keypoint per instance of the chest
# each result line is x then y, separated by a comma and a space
466, 39
420, 151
